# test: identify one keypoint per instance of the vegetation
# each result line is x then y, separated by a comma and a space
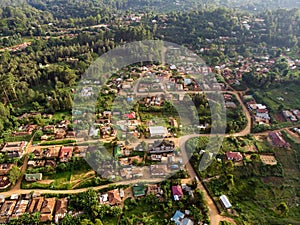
14, 174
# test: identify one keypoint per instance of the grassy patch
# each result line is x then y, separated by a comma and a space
60, 142
110, 220
257, 189
290, 93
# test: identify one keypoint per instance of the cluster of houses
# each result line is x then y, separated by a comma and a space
181, 218
260, 65
162, 157
48, 157
14, 149
165, 155
260, 112
152, 101
24, 130
162, 79
229, 103
19, 47
87, 91
116, 197
50, 209
103, 126
291, 115
58, 131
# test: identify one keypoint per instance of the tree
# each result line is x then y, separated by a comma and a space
38, 135
14, 174
98, 222
254, 157
283, 208
31, 156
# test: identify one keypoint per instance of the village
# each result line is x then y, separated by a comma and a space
148, 147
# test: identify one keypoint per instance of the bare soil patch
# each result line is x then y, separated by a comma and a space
268, 159
45, 181
279, 117
273, 180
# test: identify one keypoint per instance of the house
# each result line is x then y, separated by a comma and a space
103, 199
49, 152
65, 154
14, 149
44, 137
177, 192
50, 163
234, 156
225, 202
139, 190
296, 112
60, 133
173, 122
126, 172
160, 147
70, 134
152, 189
107, 114
187, 221
130, 116
158, 170
114, 197
230, 105
37, 153
289, 116
60, 209
227, 97
156, 157
47, 209
158, 131
80, 151
4, 182
33, 177
50, 129
35, 204
7, 208
263, 113
36, 163
14, 197
278, 140
173, 67
178, 216
5, 168
20, 208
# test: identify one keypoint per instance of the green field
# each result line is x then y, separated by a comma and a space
290, 93
258, 190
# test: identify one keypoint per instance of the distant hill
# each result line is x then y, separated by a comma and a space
58, 6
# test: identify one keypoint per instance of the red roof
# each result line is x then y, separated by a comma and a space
236, 156
177, 190
66, 152
130, 115
261, 110
251, 102
278, 140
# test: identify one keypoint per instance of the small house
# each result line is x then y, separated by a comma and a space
33, 177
